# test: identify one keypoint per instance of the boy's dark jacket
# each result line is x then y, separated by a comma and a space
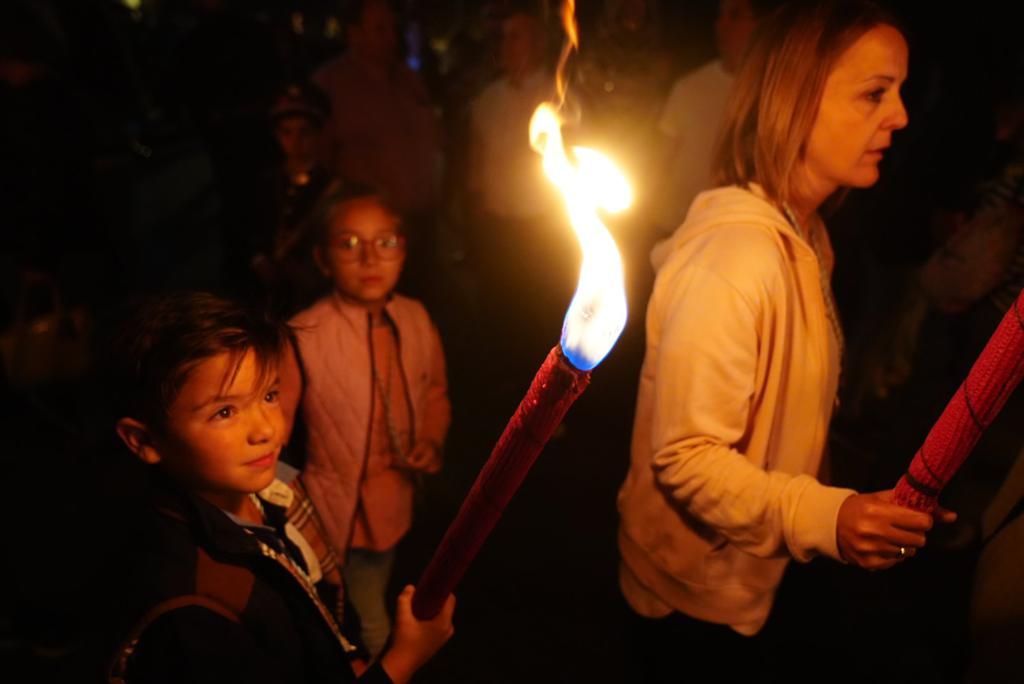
259, 624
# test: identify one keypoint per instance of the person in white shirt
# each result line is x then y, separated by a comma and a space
694, 109
516, 232
505, 172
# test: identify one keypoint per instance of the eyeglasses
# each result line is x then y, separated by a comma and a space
387, 248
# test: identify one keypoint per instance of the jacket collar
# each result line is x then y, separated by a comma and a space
356, 315
735, 204
216, 530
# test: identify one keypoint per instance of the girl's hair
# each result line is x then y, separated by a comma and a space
336, 194
775, 98
163, 339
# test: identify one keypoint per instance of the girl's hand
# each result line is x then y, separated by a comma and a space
415, 641
424, 457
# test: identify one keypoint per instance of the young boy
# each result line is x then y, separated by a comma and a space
273, 240
224, 594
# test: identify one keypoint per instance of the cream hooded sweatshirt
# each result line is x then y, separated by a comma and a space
736, 393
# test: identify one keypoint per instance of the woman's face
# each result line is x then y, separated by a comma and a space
860, 108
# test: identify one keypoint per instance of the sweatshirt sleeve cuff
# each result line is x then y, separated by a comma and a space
814, 529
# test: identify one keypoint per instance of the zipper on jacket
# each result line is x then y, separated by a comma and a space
369, 436
307, 586
406, 391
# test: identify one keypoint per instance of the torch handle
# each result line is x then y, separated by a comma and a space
972, 409
553, 390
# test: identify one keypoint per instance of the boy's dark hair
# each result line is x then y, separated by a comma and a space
303, 99
163, 339
336, 194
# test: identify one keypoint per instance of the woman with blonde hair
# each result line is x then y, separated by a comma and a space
744, 348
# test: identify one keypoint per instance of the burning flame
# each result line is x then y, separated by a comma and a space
572, 42
588, 182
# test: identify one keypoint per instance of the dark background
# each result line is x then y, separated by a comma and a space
106, 186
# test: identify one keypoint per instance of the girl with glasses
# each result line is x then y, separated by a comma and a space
375, 403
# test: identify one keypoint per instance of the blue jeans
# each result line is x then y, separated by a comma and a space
366, 580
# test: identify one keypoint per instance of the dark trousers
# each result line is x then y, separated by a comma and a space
679, 648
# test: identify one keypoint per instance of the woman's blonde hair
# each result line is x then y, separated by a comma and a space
777, 92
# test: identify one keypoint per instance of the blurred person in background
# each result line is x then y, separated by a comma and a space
518, 241
281, 246
693, 112
383, 130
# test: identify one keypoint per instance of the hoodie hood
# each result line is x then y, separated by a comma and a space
731, 205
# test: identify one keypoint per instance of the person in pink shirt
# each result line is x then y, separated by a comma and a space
375, 403
383, 129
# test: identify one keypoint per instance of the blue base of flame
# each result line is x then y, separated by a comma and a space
578, 362
582, 358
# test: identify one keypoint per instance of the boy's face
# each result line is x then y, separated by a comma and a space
364, 252
299, 139
223, 435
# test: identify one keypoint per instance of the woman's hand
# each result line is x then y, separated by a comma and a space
415, 641
875, 532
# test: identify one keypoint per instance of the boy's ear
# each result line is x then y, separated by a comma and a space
139, 440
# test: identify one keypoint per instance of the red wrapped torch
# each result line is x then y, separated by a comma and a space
972, 409
593, 323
